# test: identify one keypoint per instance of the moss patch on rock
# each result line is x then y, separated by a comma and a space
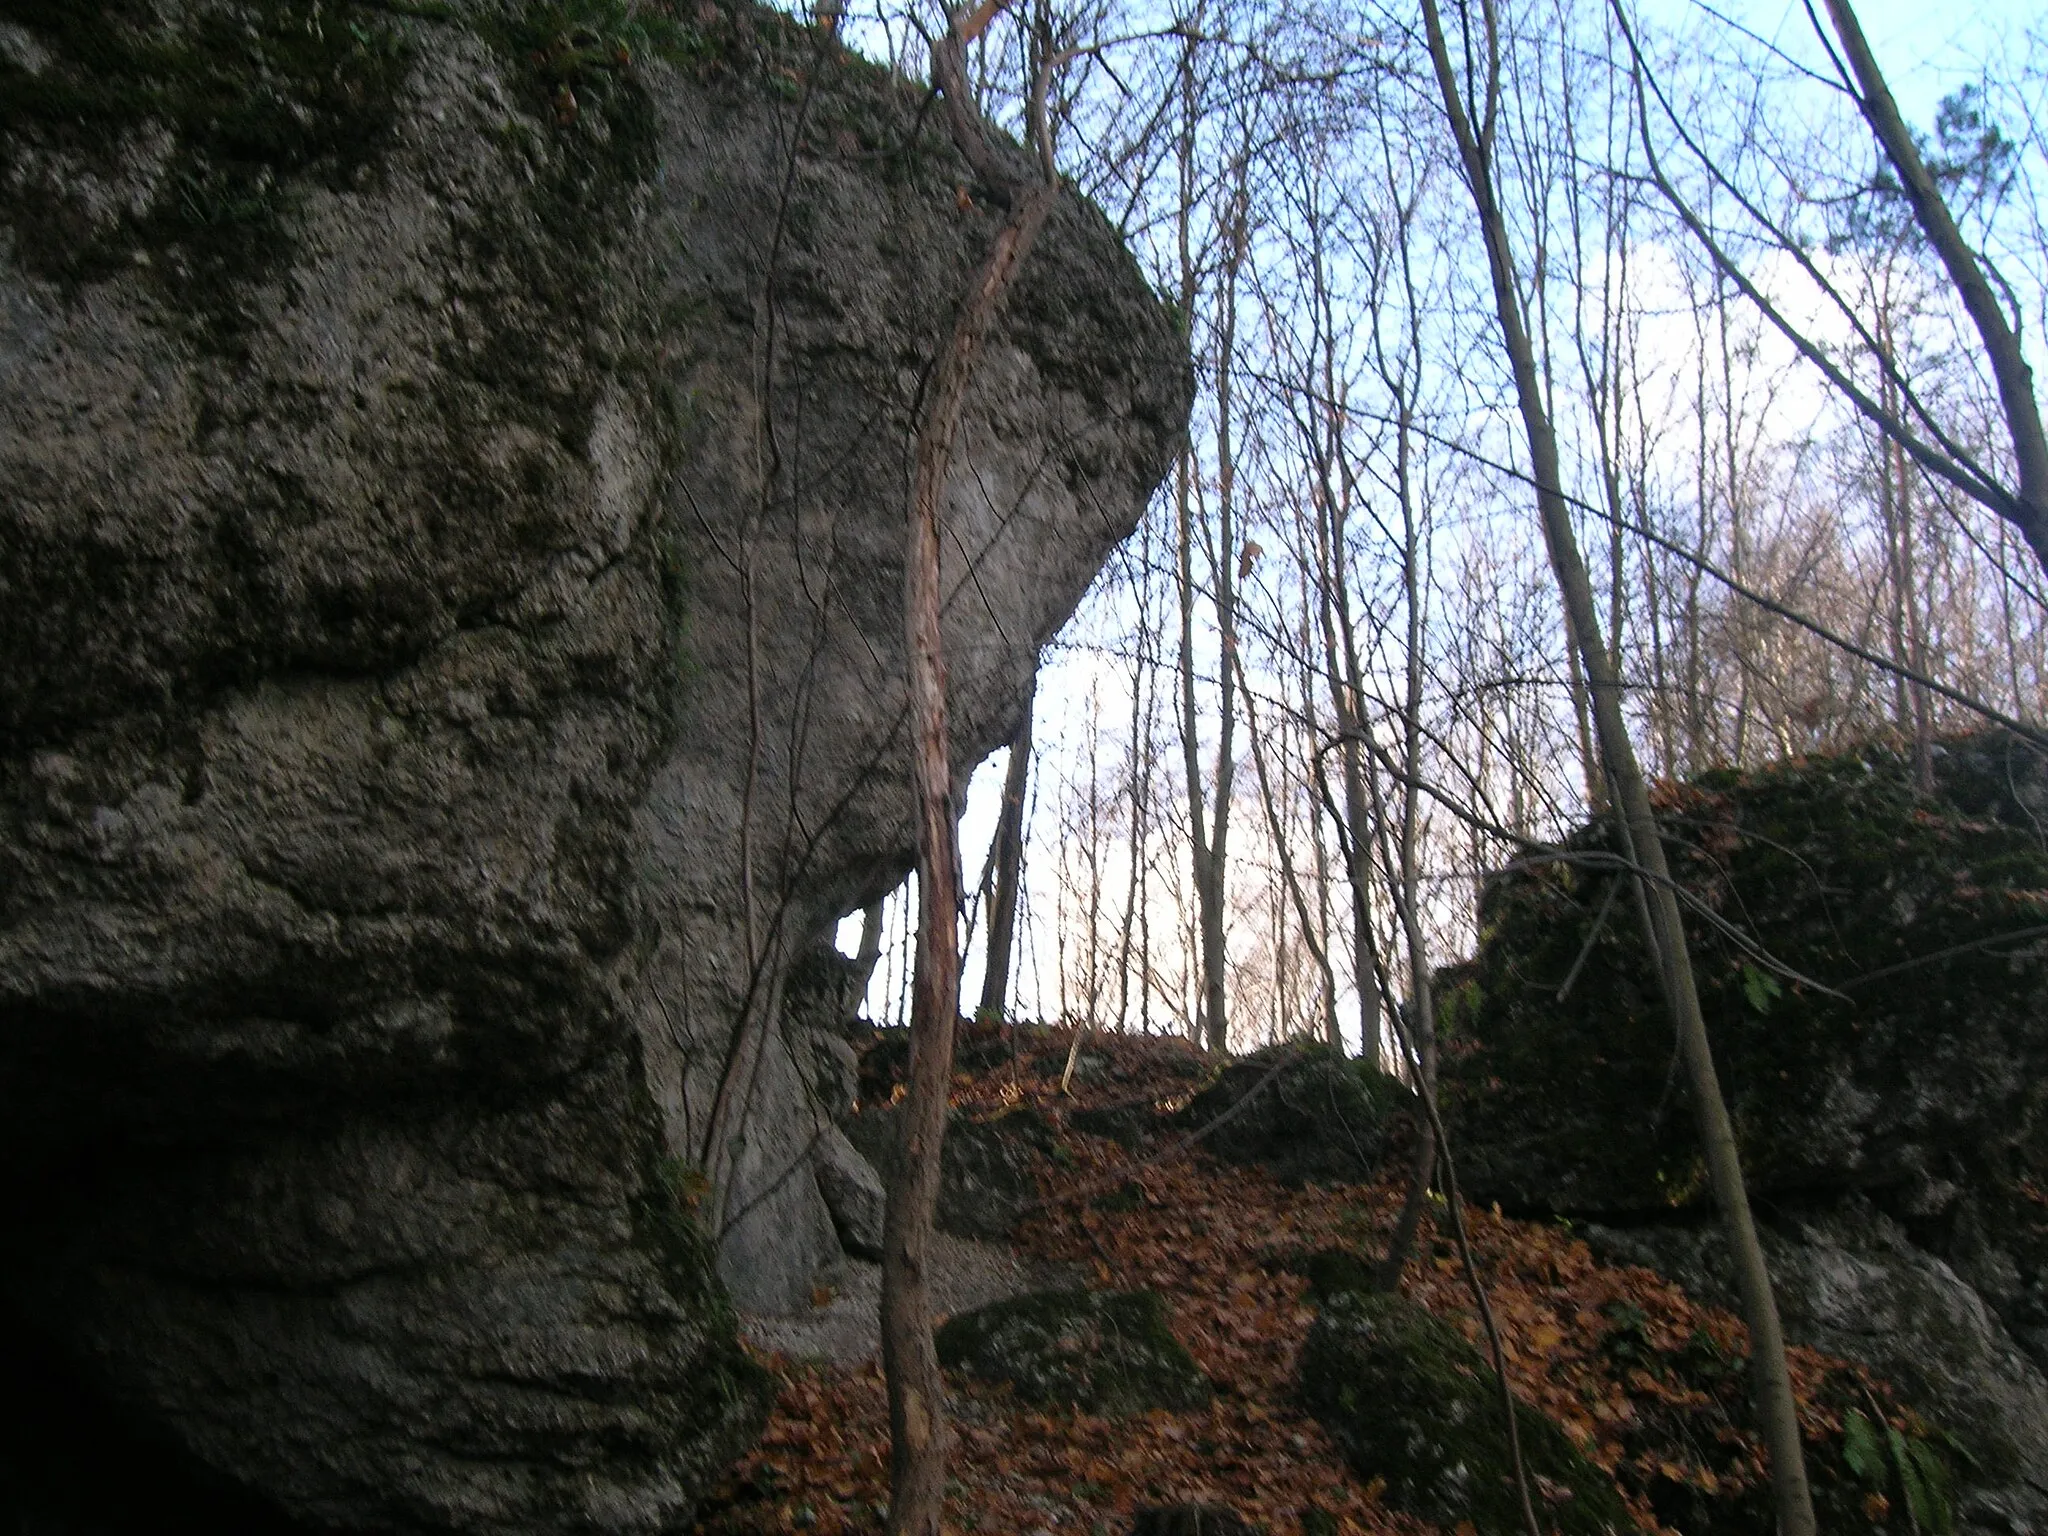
182, 150
1302, 1111
1108, 1352
733, 1393
1927, 915
1407, 1399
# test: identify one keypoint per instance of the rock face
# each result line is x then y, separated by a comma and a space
1925, 1072
451, 486
1850, 1282
1881, 1030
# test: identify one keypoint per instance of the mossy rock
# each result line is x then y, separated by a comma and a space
1304, 1112
1108, 1352
1407, 1399
986, 1177
1334, 1272
1929, 1058
253, 101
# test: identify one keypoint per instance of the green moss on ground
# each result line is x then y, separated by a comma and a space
1407, 1399
1108, 1352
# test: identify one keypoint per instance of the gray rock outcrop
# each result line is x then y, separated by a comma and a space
451, 481
1849, 1282
853, 1192
1893, 1119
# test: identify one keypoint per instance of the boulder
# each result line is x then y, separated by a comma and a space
1849, 1282
1108, 1352
1873, 965
853, 1193
1920, 1073
1407, 1399
1332, 1272
1302, 1111
451, 523
986, 1177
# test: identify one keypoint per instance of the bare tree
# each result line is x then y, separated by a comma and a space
1475, 140
917, 1422
1209, 807
1009, 874
2026, 504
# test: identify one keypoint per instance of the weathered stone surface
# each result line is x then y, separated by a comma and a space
450, 660
1105, 1351
1892, 1109
1408, 1400
1850, 1282
853, 1193
1926, 1075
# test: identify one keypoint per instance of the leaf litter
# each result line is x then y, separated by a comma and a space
1648, 1383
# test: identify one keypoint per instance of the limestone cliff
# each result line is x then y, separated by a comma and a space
451, 497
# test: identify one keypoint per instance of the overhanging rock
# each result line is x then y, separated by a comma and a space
451, 512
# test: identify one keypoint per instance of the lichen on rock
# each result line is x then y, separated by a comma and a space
446, 677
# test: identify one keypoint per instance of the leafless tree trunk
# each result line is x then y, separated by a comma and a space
917, 1418
1002, 922
2028, 509
870, 952
1290, 877
1772, 1381
1209, 830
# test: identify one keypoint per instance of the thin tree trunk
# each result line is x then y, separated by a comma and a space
2001, 343
917, 1416
1772, 1382
870, 952
1290, 877
1002, 922
1207, 840
1422, 999
1224, 558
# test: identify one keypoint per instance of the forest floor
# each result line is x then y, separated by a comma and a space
1648, 1383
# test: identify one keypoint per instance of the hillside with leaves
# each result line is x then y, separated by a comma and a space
1644, 1381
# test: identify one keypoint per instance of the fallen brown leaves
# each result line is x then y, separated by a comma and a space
1590, 1345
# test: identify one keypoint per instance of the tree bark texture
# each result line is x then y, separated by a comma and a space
917, 1420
